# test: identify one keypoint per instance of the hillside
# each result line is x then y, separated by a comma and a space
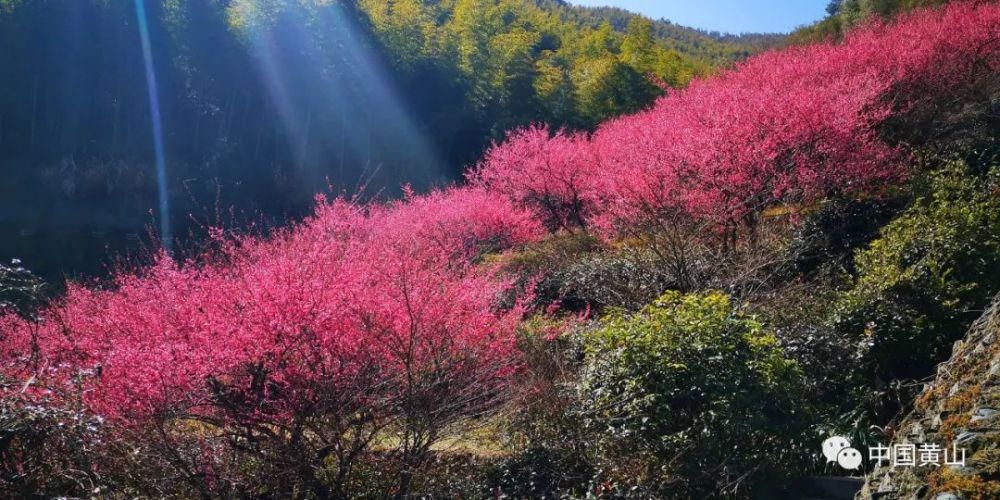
261, 104
720, 48
685, 301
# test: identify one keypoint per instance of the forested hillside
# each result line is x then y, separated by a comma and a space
688, 299
706, 45
263, 103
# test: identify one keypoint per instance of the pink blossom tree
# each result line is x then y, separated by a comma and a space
787, 127
293, 352
553, 174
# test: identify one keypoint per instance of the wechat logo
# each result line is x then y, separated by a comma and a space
838, 449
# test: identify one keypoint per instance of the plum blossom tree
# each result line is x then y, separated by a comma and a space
469, 219
696, 173
293, 352
551, 173
787, 127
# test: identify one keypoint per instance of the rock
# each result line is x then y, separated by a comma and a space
974, 364
984, 414
963, 470
979, 349
885, 486
967, 437
955, 389
936, 421
990, 338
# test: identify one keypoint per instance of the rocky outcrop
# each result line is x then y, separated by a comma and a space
962, 407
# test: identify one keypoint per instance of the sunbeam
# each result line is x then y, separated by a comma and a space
349, 100
157, 126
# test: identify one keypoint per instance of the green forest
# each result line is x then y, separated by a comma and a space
497, 249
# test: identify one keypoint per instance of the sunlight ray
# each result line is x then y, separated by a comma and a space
350, 93
157, 126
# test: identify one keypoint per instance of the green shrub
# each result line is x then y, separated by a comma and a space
549, 447
929, 275
690, 397
540, 472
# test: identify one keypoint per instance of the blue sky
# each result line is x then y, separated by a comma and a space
733, 16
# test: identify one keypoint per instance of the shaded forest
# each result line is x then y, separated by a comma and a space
263, 104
